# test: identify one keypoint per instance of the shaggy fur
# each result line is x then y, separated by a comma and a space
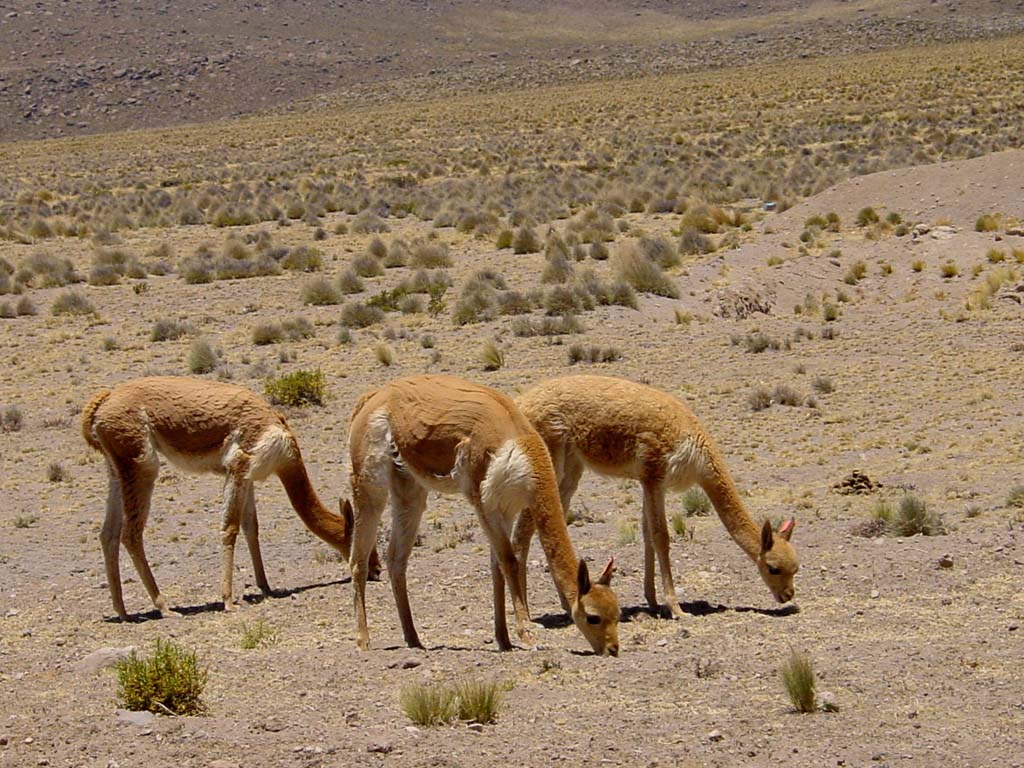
623, 429
443, 433
199, 426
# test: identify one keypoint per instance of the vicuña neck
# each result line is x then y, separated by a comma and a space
550, 521
307, 505
718, 485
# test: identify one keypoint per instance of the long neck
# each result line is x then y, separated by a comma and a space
718, 485
320, 520
550, 520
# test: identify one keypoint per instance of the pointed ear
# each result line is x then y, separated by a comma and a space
786, 529
606, 575
583, 578
767, 538
346, 511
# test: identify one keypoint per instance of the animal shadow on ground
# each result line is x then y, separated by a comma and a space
217, 606
694, 608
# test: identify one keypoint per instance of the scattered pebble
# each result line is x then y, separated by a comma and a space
103, 658
476, 727
131, 717
222, 764
875, 594
379, 749
715, 736
945, 561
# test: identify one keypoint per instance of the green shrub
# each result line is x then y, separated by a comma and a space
428, 705
430, 255
303, 259
913, 518
855, 273
800, 682
987, 222
299, 388
257, 635
866, 216
171, 681
367, 265
696, 502
525, 241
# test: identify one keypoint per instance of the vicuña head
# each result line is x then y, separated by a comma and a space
596, 610
777, 562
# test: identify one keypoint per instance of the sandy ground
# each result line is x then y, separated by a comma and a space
923, 661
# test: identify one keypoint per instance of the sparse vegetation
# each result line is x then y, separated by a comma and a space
169, 682
470, 701
800, 682
259, 634
297, 389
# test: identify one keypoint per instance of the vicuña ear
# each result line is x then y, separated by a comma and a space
767, 538
606, 575
583, 578
786, 529
346, 511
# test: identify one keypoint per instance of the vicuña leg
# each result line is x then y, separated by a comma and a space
136, 494
408, 500
251, 529
506, 567
110, 539
369, 499
656, 529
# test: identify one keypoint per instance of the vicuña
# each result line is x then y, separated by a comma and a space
199, 426
623, 429
446, 434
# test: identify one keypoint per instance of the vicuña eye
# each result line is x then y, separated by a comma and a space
774, 571
593, 619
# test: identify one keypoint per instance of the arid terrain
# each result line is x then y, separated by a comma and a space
821, 251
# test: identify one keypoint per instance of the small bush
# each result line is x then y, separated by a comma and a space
170, 681
949, 270
428, 705
696, 503
1016, 497
627, 530
72, 303
632, 266
546, 326
866, 216
430, 255
367, 265
303, 259
987, 222
257, 635
166, 329
358, 315
25, 307
201, 357
56, 473
855, 273
349, 282
759, 399
784, 395
385, 355
800, 682
297, 389
492, 356
823, 385
267, 333
525, 240
913, 518
319, 293
477, 702
368, 222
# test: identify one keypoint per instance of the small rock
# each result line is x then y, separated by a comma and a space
827, 701
476, 727
875, 594
410, 663
715, 736
945, 561
223, 764
662, 643
379, 749
131, 717
103, 658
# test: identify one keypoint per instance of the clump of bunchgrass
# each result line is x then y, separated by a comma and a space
259, 634
470, 701
202, 358
492, 356
637, 269
1015, 498
913, 517
800, 682
169, 682
696, 503
168, 329
72, 303
319, 292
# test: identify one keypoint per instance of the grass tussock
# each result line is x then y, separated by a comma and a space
800, 682
470, 701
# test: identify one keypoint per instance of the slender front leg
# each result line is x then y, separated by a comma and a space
522, 535
501, 548
654, 505
649, 594
251, 529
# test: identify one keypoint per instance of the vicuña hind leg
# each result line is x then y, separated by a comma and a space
234, 503
110, 539
251, 529
408, 500
136, 494
368, 498
657, 530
